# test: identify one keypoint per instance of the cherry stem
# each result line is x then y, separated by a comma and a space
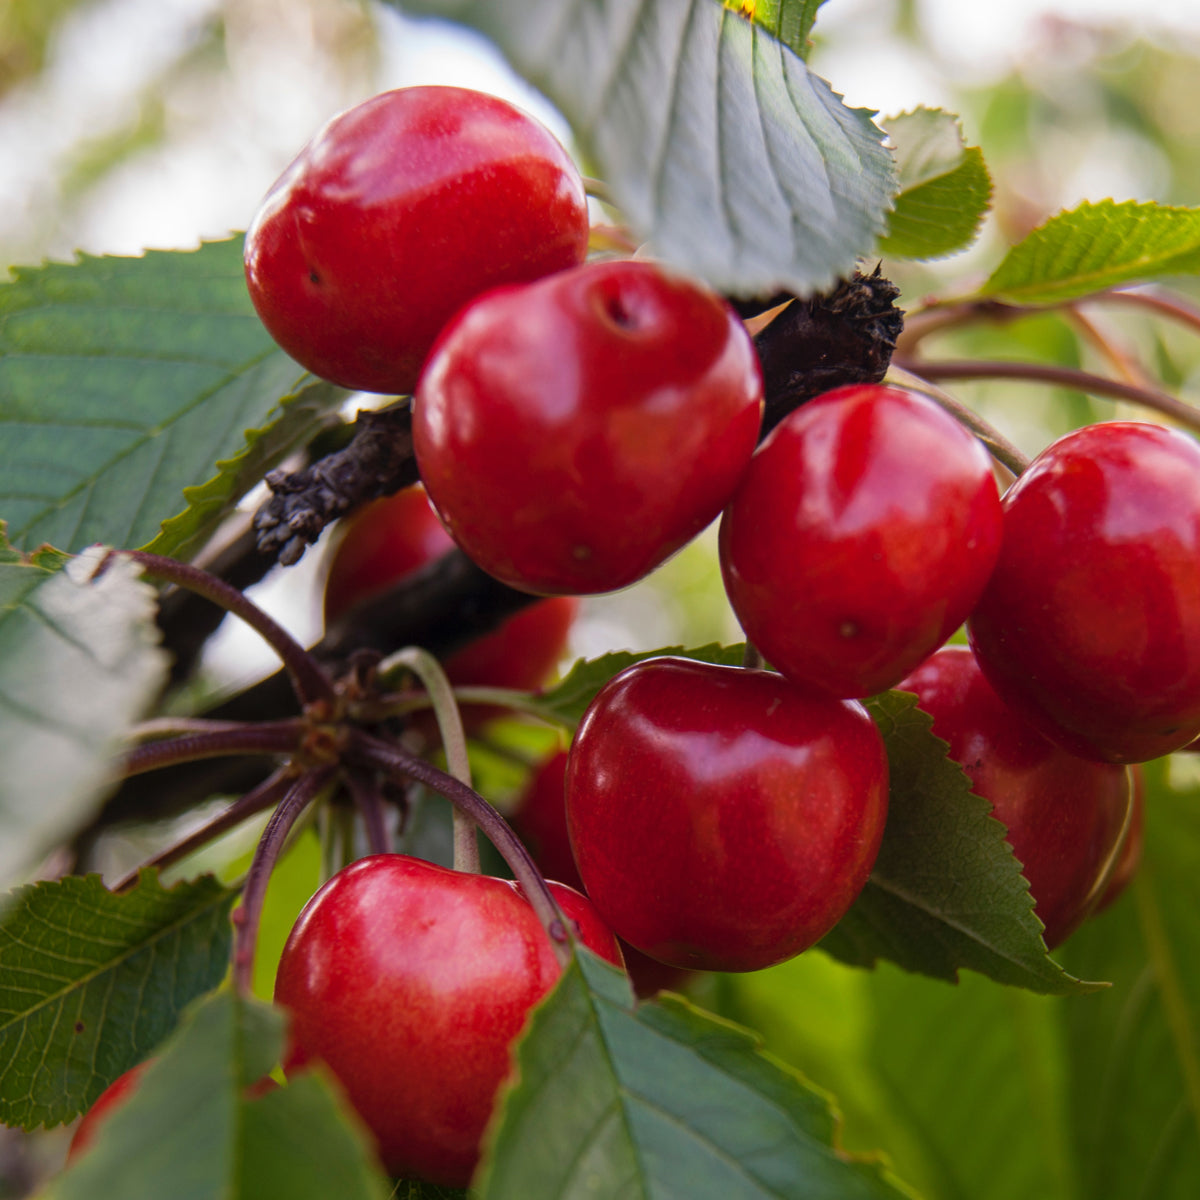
998, 446
265, 737
454, 741
400, 703
248, 913
1164, 304
253, 802
308, 677
363, 749
370, 806
1121, 363
598, 190
1066, 377
158, 728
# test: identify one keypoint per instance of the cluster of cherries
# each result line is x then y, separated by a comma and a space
575, 423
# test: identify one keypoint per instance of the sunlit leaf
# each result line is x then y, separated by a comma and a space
123, 381
945, 189
1097, 246
79, 663
719, 146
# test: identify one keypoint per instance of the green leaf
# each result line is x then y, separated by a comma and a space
1134, 1052
91, 982
962, 1087
79, 663
660, 1099
790, 21
946, 891
122, 381
718, 145
1097, 246
189, 1133
568, 699
945, 188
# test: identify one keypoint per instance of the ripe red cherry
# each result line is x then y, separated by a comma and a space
397, 213
1091, 623
106, 1103
540, 819
411, 982
394, 537
721, 818
1065, 815
860, 539
576, 432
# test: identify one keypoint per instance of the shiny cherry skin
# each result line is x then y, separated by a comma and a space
1065, 815
540, 820
397, 213
575, 432
411, 982
1091, 623
721, 818
861, 537
106, 1103
395, 537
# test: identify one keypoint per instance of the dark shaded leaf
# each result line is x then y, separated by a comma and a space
661, 1099
91, 983
122, 381
946, 891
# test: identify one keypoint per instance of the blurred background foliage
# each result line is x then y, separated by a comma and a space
134, 123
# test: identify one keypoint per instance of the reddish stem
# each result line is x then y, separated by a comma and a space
370, 806
308, 676
1164, 304
265, 737
1067, 377
364, 750
248, 914
253, 802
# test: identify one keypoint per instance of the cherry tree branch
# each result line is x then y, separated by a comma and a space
308, 676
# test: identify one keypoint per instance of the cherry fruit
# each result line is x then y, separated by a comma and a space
1065, 815
105, 1105
1091, 623
397, 213
395, 537
721, 818
540, 819
860, 538
411, 982
575, 432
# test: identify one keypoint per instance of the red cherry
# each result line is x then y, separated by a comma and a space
722, 819
540, 819
397, 213
1064, 815
106, 1104
1091, 623
1130, 858
576, 432
860, 538
411, 982
392, 538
